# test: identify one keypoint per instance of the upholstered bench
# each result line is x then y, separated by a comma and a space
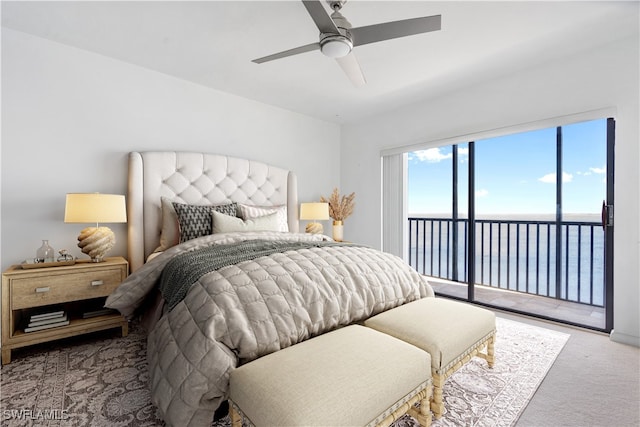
452, 332
353, 376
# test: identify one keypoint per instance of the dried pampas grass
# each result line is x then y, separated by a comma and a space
340, 208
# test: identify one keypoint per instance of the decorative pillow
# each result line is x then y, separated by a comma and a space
250, 212
226, 224
195, 220
170, 234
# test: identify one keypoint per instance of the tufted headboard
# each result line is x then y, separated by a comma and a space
197, 178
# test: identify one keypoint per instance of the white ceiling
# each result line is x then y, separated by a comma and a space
212, 43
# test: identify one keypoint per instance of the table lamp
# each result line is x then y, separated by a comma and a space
95, 208
314, 212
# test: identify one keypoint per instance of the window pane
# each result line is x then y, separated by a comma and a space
429, 186
430, 201
515, 175
584, 157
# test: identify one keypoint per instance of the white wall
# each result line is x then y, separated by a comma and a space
602, 78
69, 118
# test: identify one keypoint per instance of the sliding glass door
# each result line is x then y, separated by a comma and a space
515, 221
515, 202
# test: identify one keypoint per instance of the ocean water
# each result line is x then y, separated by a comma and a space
519, 254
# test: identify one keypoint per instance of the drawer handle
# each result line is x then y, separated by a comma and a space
42, 290
97, 282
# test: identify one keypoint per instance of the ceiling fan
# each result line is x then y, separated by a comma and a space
338, 38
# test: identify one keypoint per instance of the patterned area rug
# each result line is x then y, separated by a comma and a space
103, 382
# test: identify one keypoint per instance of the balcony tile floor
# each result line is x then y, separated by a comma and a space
575, 313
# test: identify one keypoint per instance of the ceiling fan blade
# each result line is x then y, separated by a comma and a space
395, 29
351, 68
320, 16
290, 52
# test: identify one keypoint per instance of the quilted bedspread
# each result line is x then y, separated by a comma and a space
243, 311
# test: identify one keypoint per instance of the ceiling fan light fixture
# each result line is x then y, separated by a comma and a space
336, 46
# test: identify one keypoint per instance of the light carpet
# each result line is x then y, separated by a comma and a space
103, 382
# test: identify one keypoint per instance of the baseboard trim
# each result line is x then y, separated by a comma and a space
624, 338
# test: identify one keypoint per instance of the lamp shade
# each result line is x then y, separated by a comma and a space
95, 208
314, 211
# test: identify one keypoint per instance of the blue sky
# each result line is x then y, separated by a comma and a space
515, 174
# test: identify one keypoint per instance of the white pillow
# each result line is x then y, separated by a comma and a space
250, 212
222, 223
170, 234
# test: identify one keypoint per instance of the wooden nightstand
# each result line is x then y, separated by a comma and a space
75, 289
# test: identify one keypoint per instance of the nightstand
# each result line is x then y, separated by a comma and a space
78, 290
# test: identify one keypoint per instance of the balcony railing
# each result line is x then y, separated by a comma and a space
523, 256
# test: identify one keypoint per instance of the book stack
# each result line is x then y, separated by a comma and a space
38, 322
99, 312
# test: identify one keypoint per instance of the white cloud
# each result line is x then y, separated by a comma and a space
550, 178
432, 155
598, 171
482, 193
463, 151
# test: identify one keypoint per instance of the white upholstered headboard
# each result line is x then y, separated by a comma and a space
197, 178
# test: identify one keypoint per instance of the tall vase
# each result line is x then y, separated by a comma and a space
338, 231
45, 253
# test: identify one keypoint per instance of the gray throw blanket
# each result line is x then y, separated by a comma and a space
185, 269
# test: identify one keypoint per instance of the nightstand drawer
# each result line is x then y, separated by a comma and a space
54, 289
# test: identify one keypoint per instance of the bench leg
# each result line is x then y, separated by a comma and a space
424, 415
491, 351
236, 419
437, 404
489, 355
421, 412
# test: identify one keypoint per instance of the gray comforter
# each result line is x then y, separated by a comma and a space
243, 311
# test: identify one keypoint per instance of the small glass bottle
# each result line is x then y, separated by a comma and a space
45, 253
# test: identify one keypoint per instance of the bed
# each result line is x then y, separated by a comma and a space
220, 287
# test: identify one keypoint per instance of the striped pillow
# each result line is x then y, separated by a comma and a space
250, 212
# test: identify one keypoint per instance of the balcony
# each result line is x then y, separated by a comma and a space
523, 265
